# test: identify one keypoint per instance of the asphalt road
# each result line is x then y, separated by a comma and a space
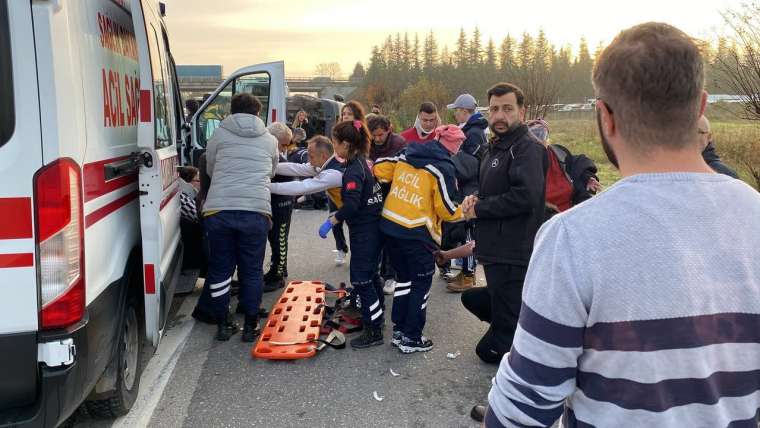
217, 384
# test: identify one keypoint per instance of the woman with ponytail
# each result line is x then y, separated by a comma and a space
362, 205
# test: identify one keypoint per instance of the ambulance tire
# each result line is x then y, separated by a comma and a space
129, 369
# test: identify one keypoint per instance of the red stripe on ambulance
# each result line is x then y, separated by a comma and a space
145, 100
150, 279
17, 218
16, 260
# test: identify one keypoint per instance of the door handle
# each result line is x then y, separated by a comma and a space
128, 166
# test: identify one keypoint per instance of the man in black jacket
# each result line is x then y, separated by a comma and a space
708, 152
509, 209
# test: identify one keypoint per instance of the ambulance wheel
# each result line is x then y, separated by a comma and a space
128, 376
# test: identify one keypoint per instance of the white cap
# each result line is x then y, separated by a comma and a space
465, 101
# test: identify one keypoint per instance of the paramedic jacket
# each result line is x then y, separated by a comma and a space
360, 194
328, 178
422, 192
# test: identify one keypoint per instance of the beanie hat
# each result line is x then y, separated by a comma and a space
451, 137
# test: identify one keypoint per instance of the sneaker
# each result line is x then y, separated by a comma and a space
389, 286
408, 346
225, 329
340, 257
371, 336
443, 271
464, 282
251, 328
396, 339
273, 283
453, 276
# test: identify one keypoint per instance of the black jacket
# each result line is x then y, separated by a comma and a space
512, 197
579, 168
281, 201
475, 134
362, 201
714, 162
467, 171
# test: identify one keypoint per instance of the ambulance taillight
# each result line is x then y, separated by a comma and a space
60, 243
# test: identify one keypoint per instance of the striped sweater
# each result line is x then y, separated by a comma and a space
641, 308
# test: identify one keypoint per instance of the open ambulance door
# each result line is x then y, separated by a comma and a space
265, 81
158, 158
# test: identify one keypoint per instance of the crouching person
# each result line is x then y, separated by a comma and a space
241, 160
362, 203
421, 196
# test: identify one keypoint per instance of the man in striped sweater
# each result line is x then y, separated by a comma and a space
641, 306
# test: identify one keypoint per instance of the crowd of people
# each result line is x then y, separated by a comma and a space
637, 306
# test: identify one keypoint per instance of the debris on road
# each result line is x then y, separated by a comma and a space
453, 355
394, 374
377, 397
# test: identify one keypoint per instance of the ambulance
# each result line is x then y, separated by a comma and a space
91, 128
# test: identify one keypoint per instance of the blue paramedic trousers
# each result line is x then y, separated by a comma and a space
236, 238
366, 242
414, 264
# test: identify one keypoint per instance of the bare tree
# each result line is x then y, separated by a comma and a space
329, 69
738, 66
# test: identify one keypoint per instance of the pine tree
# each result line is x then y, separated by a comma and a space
491, 55
446, 58
430, 52
406, 53
461, 54
475, 56
507, 54
359, 73
415, 60
541, 51
525, 52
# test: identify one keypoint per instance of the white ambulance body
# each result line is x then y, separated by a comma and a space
91, 125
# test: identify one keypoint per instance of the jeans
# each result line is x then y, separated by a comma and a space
236, 238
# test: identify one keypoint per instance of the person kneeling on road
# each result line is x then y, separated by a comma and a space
421, 196
362, 203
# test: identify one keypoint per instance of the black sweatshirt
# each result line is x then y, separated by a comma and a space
362, 201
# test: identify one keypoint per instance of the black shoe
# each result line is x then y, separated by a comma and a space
251, 328
274, 283
407, 345
203, 316
225, 330
478, 413
263, 313
371, 336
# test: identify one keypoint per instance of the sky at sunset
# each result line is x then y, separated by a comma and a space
236, 33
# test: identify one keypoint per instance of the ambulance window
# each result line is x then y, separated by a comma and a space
7, 115
162, 123
212, 116
258, 86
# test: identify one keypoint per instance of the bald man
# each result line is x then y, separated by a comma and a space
708, 149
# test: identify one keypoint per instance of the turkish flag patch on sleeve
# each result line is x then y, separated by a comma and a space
351, 185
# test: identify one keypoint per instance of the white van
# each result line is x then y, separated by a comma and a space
91, 126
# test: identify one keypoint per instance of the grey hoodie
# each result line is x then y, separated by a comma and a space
241, 158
